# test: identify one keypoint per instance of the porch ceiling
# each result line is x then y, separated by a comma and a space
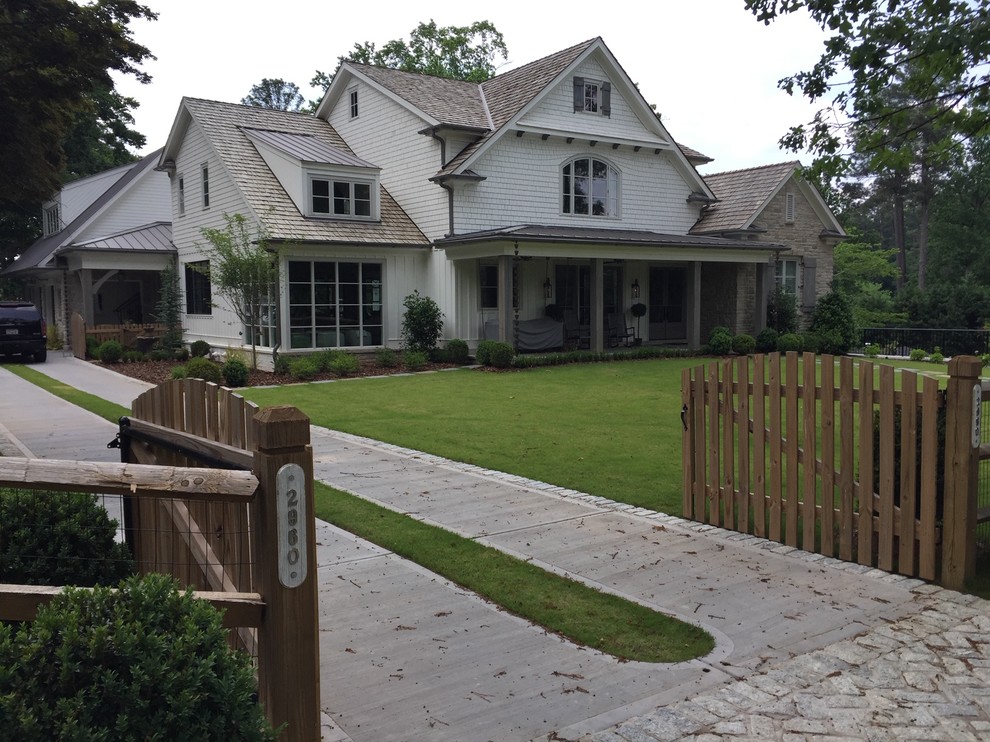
610, 244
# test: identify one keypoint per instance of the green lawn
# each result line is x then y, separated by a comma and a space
610, 429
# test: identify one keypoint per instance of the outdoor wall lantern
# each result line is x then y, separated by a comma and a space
635, 288
547, 288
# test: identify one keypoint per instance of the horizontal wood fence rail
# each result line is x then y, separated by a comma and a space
818, 454
128, 479
193, 446
21, 603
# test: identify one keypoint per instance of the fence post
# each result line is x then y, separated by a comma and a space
962, 446
288, 639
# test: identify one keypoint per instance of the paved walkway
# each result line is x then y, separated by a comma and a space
807, 647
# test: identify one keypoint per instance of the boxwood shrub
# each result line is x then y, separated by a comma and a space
203, 368
141, 662
743, 344
457, 352
199, 349
235, 372
789, 341
110, 352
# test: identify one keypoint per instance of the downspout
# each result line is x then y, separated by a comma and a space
442, 184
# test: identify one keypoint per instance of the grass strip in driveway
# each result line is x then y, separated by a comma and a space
97, 405
605, 622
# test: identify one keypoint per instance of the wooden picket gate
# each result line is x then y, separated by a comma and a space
218, 494
840, 465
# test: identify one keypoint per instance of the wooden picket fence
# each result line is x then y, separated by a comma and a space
814, 453
218, 494
129, 335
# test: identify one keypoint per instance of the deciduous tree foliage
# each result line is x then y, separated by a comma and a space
274, 93
56, 57
946, 43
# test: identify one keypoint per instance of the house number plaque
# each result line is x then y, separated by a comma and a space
290, 494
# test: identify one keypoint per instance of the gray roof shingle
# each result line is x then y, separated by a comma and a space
223, 124
741, 196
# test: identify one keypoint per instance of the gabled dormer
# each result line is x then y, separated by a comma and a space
324, 182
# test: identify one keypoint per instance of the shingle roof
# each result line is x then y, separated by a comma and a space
741, 194
156, 237
222, 124
453, 102
41, 251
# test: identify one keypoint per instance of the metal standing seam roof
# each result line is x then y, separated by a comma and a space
222, 124
156, 238
741, 194
42, 250
307, 148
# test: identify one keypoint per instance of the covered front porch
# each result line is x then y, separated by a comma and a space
509, 281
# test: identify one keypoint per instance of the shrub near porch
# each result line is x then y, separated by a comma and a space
612, 430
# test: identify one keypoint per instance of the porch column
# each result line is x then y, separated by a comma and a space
694, 305
86, 280
762, 293
597, 305
505, 298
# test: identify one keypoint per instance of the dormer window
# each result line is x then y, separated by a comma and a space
590, 187
52, 219
342, 198
354, 103
592, 96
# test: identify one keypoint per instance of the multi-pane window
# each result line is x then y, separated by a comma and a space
181, 189
488, 280
590, 187
591, 97
354, 104
341, 198
198, 296
53, 220
205, 173
335, 304
787, 275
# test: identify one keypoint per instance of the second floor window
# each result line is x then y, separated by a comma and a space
590, 187
181, 188
341, 198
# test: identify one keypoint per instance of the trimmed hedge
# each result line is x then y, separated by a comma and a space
203, 368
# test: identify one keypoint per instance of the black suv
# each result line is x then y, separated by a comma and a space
23, 330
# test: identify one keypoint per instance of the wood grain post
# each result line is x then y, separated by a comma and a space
288, 639
962, 447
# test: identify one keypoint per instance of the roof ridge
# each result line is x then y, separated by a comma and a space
792, 163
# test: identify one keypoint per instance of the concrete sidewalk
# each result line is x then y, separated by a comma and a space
805, 645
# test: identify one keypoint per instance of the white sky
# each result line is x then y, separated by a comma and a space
709, 66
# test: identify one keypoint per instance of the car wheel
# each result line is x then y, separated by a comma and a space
41, 356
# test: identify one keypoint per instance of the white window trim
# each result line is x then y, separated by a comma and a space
781, 277
180, 186
204, 183
353, 102
373, 188
618, 188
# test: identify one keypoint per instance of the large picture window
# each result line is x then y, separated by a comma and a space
335, 305
199, 299
590, 188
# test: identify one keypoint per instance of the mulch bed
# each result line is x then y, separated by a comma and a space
158, 372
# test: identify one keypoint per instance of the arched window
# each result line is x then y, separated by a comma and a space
590, 188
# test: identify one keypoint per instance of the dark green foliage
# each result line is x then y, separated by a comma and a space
500, 355
457, 352
415, 360
483, 355
325, 358
199, 349
235, 372
59, 538
282, 363
789, 341
386, 358
110, 352
918, 354
181, 353
143, 662
720, 341
303, 368
179, 372
133, 356
345, 364
811, 342
276, 94
92, 347
158, 354
534, 360
743, 344
203, 368
834, 318
782, 311
766, 341
422, 322
168, 310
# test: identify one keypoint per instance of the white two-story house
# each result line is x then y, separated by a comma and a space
552, 184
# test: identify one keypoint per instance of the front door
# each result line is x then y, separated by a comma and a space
668, 310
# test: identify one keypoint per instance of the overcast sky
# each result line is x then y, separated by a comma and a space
708, 65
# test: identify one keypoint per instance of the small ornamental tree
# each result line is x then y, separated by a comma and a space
168, 310
144, 661
422, 323
243, 270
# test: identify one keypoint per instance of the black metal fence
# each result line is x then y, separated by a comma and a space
900, 341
